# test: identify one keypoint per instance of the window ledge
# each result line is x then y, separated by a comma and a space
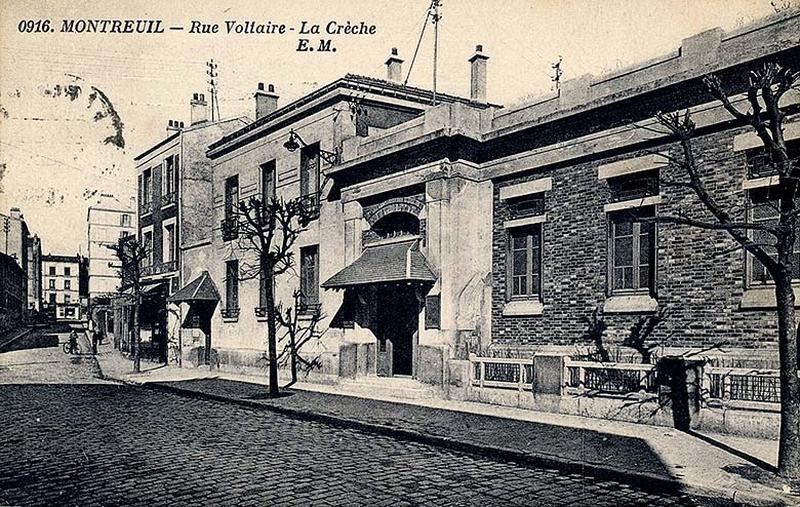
230, 319
523, 308
630, 304
763, 298
639, 202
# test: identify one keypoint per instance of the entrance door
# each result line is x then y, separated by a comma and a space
398, 318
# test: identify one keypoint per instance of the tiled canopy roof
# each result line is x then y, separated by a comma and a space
385, 262
201, 288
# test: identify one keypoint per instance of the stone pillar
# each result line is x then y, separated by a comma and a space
353, 228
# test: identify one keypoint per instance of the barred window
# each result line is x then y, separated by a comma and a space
634, 186
764, 210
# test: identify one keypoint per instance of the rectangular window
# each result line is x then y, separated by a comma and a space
52, 283
268, 182
309, 170
309, 275
67, 285
67, 298
52, 271
52, 297
231, 195
764, 210
66, 271
759, 160
528, 205
147, 244
634, 186
524, 254
632, 251
125, 220
232, 285
147, 186
170, 174
169, 242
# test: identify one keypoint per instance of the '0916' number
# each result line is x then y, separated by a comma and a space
34, 25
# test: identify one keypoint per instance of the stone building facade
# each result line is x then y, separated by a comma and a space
461, 228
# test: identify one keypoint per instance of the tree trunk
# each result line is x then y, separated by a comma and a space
137, 334
293, 350
272, 339
789, 446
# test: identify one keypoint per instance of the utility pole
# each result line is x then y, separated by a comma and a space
212, 88
557, 74
435, 17
6, 229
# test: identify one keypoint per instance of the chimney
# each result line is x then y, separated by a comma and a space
174, 126
199, 109
477, 82
394, 67
266, 100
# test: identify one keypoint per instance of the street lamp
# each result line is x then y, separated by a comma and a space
295, 141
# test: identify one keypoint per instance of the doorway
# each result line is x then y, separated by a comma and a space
397, 324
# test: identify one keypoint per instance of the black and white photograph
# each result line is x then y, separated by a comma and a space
400, 253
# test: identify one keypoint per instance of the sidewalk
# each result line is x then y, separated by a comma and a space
710, 466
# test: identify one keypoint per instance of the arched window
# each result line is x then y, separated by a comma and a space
396, 224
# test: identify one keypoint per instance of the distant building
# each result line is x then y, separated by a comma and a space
12, 292
60, 286
34, 269
17, 243
108, 220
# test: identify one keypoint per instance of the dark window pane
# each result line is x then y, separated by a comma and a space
623, 252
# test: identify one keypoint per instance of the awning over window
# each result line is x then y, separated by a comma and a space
397, 261
201, 288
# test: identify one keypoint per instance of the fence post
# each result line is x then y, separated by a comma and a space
482, 371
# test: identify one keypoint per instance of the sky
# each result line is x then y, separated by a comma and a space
76, 108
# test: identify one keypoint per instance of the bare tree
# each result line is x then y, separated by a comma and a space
267, 232
298, 335
132, 256
763, 112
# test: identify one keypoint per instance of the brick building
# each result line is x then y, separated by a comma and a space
18, 242
174, 206
12, 292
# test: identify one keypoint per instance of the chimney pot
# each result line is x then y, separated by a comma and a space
198, 109
266, 100
394, 67
477, 83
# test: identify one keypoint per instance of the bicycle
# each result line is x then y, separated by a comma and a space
76, 351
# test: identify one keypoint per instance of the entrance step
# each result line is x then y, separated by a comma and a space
387, 387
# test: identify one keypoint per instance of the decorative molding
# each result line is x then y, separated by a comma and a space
766, 181
522, 222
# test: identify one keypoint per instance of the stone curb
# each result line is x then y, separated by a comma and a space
642, 480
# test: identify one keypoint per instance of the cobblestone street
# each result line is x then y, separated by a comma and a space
107, 444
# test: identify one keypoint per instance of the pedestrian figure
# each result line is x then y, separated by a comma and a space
73, 342
95, 339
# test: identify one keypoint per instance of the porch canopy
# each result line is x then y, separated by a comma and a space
201, 288
395, 261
